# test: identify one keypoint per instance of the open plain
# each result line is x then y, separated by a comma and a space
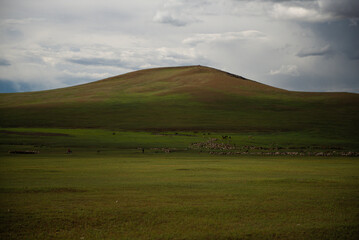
130, 195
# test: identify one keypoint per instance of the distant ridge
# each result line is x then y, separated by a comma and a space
183, 98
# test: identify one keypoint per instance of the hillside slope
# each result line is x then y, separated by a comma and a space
183, 98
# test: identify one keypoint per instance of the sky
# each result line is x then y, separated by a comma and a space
302, 45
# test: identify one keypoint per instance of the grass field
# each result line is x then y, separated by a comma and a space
210, 167
42, 139
123, 194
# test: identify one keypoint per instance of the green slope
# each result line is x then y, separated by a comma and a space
183, 98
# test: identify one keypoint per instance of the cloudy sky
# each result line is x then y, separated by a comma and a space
305, 45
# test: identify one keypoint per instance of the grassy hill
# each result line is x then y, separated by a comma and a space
183, 98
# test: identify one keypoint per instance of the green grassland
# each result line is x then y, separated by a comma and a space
41, 139
108, 189
123, 194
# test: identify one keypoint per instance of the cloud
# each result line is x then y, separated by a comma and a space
279, 1
340, 8
224, 37
177, 13
308, 10
143, 57
96, 62
291, 70
353, 55
342, 38
172, 19
276, 1
86, 75
315, 10
4, 62
20, 21
315, 51
51, 44
299, 13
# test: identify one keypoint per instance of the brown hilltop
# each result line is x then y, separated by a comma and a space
186, 79
199, 81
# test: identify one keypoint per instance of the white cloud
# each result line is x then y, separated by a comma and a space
58, 65
315, 51
291, 70
224, 37
178, 12
170, 18
86, 75
285, 12
137, 58
14, 21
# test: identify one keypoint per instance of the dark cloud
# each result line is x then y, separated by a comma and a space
341, 8
316, 83
4, 62
326, 50
353, 55
341, 37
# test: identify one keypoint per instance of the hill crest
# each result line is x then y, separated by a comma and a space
184, 79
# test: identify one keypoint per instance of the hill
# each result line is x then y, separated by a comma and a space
183, 98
